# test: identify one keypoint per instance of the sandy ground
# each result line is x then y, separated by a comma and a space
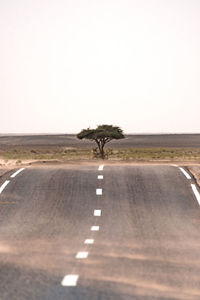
195, 170
7, 165
3, 171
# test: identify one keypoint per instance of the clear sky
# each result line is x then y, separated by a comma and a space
72, 64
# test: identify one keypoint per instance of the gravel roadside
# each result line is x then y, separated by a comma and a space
195, 171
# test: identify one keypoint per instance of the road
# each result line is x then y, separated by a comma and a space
147, 246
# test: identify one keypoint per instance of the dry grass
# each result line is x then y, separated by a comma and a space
156, 154
123, 154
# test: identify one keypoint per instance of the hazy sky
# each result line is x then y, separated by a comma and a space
72, 64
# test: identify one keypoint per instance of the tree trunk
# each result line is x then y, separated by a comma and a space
101, 148
102, 152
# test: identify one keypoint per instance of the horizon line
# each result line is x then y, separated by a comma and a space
72, 133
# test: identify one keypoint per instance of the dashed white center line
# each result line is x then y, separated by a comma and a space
95, 228
89, 241
97, 212
101, 168
98, 191
194, 188
17, 172
4, 185
82, 255
185, 173
70, 280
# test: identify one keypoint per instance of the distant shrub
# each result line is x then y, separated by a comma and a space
33, 151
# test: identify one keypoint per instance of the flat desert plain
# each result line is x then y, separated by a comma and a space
131, 140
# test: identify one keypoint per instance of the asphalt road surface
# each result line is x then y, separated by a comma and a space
146, 245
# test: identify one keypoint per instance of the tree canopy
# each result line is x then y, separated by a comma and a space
101, 135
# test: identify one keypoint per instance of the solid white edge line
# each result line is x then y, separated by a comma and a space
185, 173
4, 185
194, 188
100, 176
97, 212
70, 280
89, 241
98, 191
101, 168
16, 173
95, 228
82, 255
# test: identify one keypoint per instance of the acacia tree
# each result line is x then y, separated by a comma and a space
101, 135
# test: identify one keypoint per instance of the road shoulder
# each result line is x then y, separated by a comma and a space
195, 171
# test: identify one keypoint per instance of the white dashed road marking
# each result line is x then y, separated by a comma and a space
17, 172
101, 167
89, 241
97, 212
196, 192
95, 228
70, 280
185, 173
4, 185
82, 255
98, 191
